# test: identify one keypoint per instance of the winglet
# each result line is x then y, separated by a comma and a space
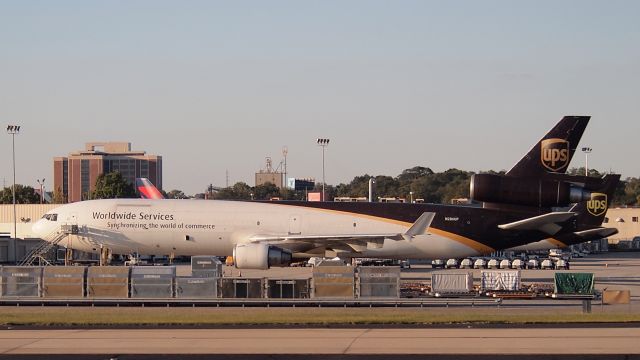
421, 225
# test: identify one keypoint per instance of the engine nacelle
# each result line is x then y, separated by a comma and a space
525, 191
260, 256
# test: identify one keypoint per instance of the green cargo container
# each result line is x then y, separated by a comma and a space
574, 283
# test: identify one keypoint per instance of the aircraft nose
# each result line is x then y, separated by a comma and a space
39, 229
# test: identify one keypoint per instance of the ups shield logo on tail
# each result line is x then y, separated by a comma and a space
554, 154
598, 204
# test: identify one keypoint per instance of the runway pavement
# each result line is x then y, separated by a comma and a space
361, 341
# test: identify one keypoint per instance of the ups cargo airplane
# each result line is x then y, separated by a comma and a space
518, 211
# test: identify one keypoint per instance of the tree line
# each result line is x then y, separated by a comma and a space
418, 182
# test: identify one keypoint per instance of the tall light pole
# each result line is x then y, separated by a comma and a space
41, 183
13, 130
586, 151
324, 143
285, 151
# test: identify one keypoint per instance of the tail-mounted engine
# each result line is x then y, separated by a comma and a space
525, 191
260, 256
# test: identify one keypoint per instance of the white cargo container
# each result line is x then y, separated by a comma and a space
533, 264
451, 264
500, 280
480, 264
447, 282
547, 264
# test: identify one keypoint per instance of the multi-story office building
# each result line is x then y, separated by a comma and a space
76, 174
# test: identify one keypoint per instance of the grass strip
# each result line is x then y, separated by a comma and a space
126, 316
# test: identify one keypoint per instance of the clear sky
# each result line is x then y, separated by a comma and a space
220, 85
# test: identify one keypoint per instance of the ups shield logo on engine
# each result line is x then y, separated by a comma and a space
554, 154
598, 204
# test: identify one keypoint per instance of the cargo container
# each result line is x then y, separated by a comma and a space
206, 266
379, 282
547, 264
518, 264
574, 283
287, 288
108, 281
21, 281
500, 280
152, 281
448, 282
241, 288
480, 264
333, 282
64, 281
196, 288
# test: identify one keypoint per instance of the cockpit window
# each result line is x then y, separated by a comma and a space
51, 217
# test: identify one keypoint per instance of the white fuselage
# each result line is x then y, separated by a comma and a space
191, 227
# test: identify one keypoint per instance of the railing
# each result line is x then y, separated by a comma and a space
38, 253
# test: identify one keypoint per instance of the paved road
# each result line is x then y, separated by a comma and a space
323, 341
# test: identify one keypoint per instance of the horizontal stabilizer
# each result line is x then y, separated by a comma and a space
547, 223
597, 233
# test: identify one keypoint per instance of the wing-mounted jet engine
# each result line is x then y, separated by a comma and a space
260, 256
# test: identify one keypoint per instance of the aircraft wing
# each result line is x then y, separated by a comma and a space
547, 223
357, 242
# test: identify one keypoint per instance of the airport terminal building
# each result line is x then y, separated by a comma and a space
626, 220
76, 174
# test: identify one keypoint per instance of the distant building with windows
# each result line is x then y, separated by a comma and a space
76, 174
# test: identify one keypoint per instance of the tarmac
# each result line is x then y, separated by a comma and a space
360, 341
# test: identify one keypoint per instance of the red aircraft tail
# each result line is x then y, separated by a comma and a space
147, 189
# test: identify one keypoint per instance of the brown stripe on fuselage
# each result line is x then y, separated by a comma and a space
477, 246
